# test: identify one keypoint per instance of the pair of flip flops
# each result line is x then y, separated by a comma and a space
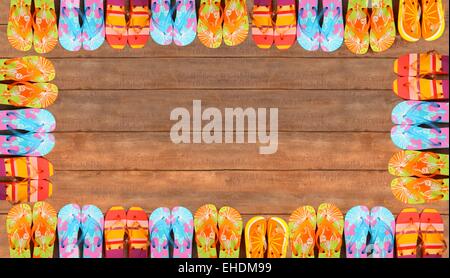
410, 12
266, 237
229, 24
369, 234
310, 34
90, 34
162, 224
26, 29
89, 221
133, 31
214, 228
426, 229
25, 226
164, 29
323, 230
364, 29
282, 32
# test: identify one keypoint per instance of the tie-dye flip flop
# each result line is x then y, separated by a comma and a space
114, 232
137, 230
277, 238
255, 237
230, 232
26, 167
420, 164
69, 224
330, 226
18, 227
332, 30
356, 35
185, 24
159, 227
33, 120
27, 69
206, 232
415, 88
116, 31
285, 31
409, 20
20, 23
92, 224
182, 223
407, 233
33, 95
302, 227
161, 24
432, 234
382, 29
308, 27
69, 28
421, 64
26, 191
412, 137
139, 24
209, 27
235, 22
27, 144
356, 229
45, 28
262, 24
433, 19
411, 190
44, 230
420, 112
382, 233
93, 28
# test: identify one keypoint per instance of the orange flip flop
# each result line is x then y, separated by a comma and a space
115, 223
330, 227
407, 233
432, 234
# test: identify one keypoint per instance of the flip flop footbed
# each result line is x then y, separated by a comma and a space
206, 232
285, 31
137, 228
28, 68
20, 22
26, 191
419, 64
302, 227
93, 29
116, 25
160, 226
230, 232
34, 120
185, 24
382, 233
27, 144
432, 234
308, 28
182, 223
332, 30
277, 238
420, 112
407, 233
69, 28
416, 163
36, 95
409, 20
330, 226
414, 88
262, 24
356, 35
413, 191
356, 230
382, 29
44, 230
255, 237
18, 227
69, 223
433, 19
92, 225
161, 25
235, 22
209, 27
139, 23
115, 224
26, 167
45, 28
411, 137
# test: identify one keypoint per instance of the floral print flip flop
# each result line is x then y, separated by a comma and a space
44, 230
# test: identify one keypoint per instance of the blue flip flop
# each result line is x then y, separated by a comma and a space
356, 229
382, 233
26, 144
69, 223
159, 227
161, 23
92, 223
32, 120
332, 30
93, 29
69, 29
308, 27
420, 112
185, 25
182, 223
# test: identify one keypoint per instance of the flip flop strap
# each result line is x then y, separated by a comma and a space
161, 230
361, 28
225, 241
27, 69
42, 31
165, 20
417, 159
21, 225
430, 229
136, 234
240, 16
119, 223
70, 23
380, 231
215, 25
72, 229
22, 196
297, 236
88, 22
28, 137
329, 25
381, 11
417, 135
42, 222
359, 231
178, 229
411, 113
311, 25
414, 188
187, 14
29, 95
327, 225
28, 123
20, 28
207, 225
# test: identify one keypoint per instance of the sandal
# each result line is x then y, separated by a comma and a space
407, 233
420, 112
18, 227
302, 227
432, 234
230, 232
32, 120
382, 29
235, 22
255, 237
182, 223
115, 224
409, 20
356, 230
26, 168
43, 232
92, 224
414, 88
26, 191
159, 227
332, 30
137, 230
161, 25
185, 24
412, 137
26, 69
206, 232
330, 225
93, 29
262, 24
45, 26
421, 64
33, 95
382, 229
20, 23
420, 164
116, 31
69, 223
139, 23
433, 19
356, 35
410, 190
308, 27
285, 31
26, 144
277, 238
210, 19
69, 28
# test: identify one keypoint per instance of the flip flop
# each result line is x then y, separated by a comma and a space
93, 28
356, 229
159, 227
421, 64
332, 30
407, 233
206, 232
308, 26
139, 23
45, 26
432, 234
34, 95
382, 29
20, 22
255, 237
410, 190
137, 229
26, 191
420, 112
409, 20
69, 223
277, 238
330, 225
420, 164
92, 224
116, 31
414, 88
433, 19
209, 27
230, 232
302, 227
411, 137
26, 167
26, 69
262, 24
285, 31
115, 223
356, 35
27, 144
44, 230
235, 22
69, 29
182, 223
18, 227
382, 233
185, 24
34, 120
161, 24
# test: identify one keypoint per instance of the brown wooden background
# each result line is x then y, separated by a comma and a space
113, 145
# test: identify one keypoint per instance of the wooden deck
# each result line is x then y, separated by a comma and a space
113, 145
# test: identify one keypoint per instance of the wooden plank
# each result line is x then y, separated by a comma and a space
300, 110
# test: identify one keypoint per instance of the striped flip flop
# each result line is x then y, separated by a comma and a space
185, 24
26, 191
235, 22
356, 229
356, 34
27, 69
332, 30
182, 223
159, 227
411, 190
285, 31
45, 28
69, 223
18, 227
116, 31
421, 64
431, 232
277, 238
407, 233
330, 226
412, 137
32, 120
382, 29
210, 20
262, 24
206, 232
33, 95
20, 25
26, 167
255, 237
43, 232
93, 28
417, 163
433, 20
415, 88
69, 28
137, 230
230, 232
114, 232
382, 233
139, 24
409, 20
420, 112
302, 227
27, 144
308, 25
